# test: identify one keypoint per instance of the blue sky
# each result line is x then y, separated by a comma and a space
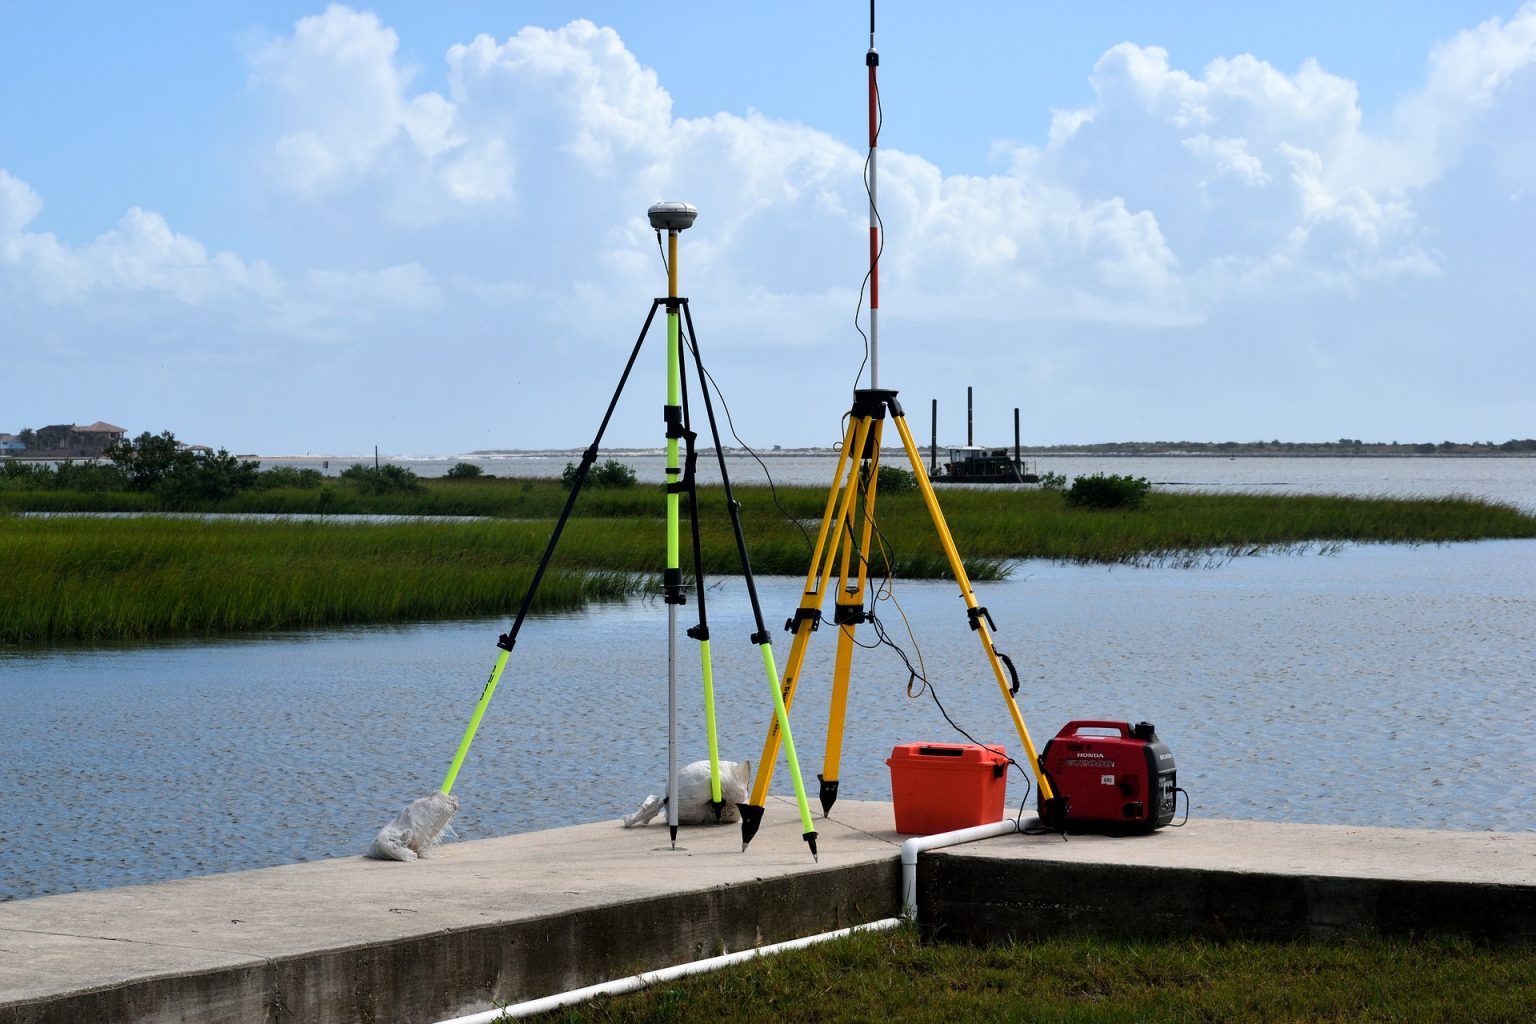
290, 228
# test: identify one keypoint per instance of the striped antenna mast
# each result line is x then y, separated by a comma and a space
872, 61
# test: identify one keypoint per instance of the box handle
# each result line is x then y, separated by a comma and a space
1123, 728
941, 751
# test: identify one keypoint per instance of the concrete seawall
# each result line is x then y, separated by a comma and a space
500, 920
1238, 879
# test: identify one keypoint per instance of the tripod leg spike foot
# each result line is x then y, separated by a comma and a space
751, 820
828, 795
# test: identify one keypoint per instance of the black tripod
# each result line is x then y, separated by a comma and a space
682, 459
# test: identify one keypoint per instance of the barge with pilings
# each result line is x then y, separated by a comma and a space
973, 464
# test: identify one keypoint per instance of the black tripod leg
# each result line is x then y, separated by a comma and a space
732, 507
508, 639
751, 816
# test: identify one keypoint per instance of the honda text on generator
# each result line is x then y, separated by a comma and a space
1108, 777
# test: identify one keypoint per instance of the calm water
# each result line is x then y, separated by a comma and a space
1379, 685
1509, 479
1376, 686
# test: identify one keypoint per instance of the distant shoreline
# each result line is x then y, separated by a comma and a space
1214, 450
1151, 450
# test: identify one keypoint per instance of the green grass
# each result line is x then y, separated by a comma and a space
1178, 526
890, 977
68, 580
73, 580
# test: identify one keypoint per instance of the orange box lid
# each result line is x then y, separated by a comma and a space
940, 755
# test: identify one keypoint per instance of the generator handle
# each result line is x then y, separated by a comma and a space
1077, 725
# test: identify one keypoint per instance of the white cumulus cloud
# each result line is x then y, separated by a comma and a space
140, 255
141, 268
1181, 214
343, 97
1480, 92
1174, 192
1257, 178
19, 204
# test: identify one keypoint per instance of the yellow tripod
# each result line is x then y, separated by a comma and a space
847, 528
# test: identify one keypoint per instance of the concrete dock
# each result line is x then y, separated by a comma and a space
502, 920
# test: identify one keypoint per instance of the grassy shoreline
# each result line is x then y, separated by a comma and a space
892, 977
73, 580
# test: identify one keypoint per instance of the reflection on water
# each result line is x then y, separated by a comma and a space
1377, 686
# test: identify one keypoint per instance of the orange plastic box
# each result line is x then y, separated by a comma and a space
939, 787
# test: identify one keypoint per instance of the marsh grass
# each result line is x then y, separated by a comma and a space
73, 580
81, 579
1171, 526
892, 977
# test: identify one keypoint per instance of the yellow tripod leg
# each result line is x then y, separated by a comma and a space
808, 613
977, 614
807, 616
832, 761
849, 612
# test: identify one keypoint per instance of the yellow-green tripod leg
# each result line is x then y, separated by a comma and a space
677, 430
474, 723
672, 580
781, 718
707, 669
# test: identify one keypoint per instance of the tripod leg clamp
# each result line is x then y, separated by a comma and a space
812, 615
849, 615
689, 468
672, 585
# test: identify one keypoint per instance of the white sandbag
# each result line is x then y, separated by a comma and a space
416, 830
693, 795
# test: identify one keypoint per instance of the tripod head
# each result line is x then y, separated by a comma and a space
672, 216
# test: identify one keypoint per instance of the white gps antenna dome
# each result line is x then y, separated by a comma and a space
672, 216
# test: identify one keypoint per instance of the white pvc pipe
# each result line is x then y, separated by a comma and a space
909, 853
639, 981
917, 844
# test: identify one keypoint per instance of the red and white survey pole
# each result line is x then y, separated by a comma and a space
872, 61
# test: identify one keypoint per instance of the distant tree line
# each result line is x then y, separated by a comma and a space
161, 465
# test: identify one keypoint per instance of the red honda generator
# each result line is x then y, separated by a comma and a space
1108, 777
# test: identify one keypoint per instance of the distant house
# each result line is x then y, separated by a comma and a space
11, 443
100, 433
68, 441
54, 435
